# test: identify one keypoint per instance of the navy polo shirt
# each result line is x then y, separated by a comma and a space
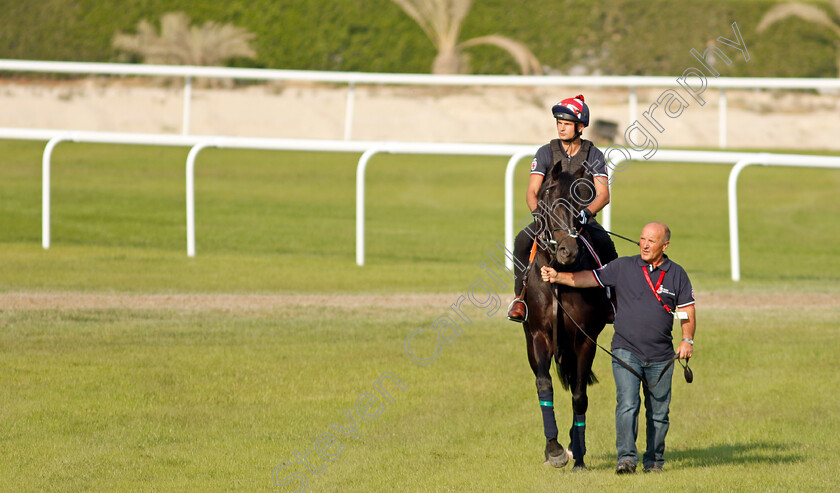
642, 325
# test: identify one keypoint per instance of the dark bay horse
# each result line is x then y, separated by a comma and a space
554, 310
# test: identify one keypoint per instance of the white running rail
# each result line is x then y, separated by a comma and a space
764, 159
368, 149
354, 78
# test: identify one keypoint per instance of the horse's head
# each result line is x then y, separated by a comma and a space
561, 198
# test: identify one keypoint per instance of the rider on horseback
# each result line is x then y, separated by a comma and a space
571, 152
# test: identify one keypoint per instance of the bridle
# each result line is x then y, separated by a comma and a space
549, 219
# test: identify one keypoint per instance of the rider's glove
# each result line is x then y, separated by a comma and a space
584, 216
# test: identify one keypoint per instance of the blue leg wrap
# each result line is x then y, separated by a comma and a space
547, 407
578, 435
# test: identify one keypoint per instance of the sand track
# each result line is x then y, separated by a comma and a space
438, 114
94, 301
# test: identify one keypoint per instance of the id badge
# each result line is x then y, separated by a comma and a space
680, 315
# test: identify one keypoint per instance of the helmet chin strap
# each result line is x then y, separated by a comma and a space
577, 134
575, 137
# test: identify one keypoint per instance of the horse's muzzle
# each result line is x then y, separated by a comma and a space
566, 251
565, 255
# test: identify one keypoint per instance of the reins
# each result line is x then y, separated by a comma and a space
571, 232
623, 237
554, 291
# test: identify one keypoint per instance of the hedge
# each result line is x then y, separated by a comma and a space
640, 37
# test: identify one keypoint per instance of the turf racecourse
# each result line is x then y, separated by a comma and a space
211, 397
128, 366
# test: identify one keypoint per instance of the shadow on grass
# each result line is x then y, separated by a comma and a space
738, 453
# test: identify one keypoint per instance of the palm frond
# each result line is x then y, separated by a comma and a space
418, 10
181, 44
805, 12
528, 62
440, 19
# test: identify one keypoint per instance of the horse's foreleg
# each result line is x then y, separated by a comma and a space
539, 355
580, 403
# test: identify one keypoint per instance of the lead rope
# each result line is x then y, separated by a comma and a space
689, 375
622, 237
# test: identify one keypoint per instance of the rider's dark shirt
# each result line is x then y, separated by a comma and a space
542, 162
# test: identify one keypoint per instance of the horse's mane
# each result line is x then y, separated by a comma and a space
562, 182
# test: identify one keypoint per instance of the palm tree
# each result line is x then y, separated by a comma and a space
441, 21
810, 13
181, 44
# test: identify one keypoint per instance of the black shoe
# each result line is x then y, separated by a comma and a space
625, 467
653, 468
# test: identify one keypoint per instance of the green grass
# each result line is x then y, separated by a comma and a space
214, 399
211, 400
285, 221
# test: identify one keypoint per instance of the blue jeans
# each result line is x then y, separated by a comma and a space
628, 404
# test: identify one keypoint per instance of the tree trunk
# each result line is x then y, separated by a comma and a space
447, 61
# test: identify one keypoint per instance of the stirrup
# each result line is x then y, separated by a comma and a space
520, 300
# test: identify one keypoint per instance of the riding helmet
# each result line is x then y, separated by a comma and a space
572, 109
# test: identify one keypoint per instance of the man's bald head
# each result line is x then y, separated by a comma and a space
654, 240
661, 228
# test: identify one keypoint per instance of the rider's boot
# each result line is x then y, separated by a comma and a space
518, 310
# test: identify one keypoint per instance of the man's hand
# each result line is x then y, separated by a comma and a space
548, 274
582, 279
685, 350
585, 215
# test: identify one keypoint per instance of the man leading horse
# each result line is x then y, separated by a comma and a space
652, 291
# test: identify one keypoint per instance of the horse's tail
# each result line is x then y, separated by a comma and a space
567, 364
592, 380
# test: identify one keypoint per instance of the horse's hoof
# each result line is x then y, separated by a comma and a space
579, 467
557, 460
555, 454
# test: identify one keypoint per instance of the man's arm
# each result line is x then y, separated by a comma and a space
580, 279
534, 184
685, 349
602, 195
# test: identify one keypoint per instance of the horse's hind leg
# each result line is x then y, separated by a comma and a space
580, 403
539, 356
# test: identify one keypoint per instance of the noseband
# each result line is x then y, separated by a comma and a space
571, 232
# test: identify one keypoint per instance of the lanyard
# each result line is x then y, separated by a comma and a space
654, 289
